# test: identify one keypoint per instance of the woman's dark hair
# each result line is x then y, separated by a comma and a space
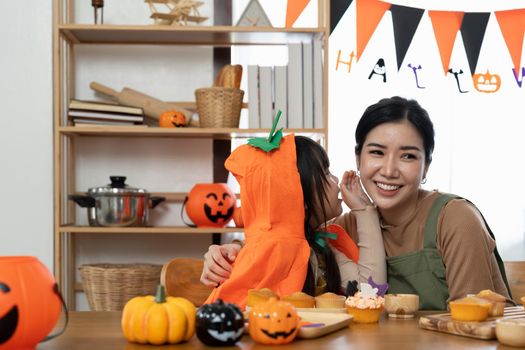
396, 109
313, 165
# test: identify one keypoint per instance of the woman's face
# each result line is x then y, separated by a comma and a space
392, 165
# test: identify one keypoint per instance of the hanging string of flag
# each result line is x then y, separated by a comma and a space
446, 25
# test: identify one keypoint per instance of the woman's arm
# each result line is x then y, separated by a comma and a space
372, 261
363, 226
467, 251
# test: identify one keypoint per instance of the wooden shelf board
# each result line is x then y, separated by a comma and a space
184, 35
170, 196
215, 133
135, 230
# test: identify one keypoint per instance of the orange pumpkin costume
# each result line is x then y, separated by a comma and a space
276, 253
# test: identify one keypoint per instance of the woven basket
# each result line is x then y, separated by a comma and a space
219, 107
109, 286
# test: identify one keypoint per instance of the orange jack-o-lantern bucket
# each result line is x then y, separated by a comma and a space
210, 205
29, 302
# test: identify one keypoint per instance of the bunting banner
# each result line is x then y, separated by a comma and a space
294, 8
472, 31
369, 14
337, 10
405, 21
445, 24
512, 25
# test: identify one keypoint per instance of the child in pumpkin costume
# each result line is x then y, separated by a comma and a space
276, 253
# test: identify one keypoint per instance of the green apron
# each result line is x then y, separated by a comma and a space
423, 272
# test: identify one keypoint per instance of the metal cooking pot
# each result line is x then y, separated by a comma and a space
117, 204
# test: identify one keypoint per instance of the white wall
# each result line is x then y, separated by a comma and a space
26, 164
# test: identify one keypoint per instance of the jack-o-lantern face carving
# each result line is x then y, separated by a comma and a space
273, 322
219, 324
222, 211
210, 205
172, 119
29, 302
487, 83
9, 319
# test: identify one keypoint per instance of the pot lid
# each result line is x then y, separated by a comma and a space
117, 186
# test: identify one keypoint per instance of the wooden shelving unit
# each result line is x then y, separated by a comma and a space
67, 34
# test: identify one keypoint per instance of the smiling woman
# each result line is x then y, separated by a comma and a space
437, 245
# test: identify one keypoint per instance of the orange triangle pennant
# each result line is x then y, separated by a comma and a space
446, 25
294, 8
369, 14
512, 25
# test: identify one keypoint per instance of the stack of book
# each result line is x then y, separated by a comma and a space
90, 113
296, 89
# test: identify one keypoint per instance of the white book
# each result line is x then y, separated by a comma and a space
107, 116
295, 86
308, 86
280, 80
318, 84
266, 96
254, 121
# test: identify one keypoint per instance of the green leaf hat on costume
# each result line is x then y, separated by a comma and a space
272, 141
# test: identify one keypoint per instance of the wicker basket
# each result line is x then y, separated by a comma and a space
109, 286
219, 107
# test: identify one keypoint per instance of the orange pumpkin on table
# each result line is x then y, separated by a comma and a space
273, 322
210, 205
172, 119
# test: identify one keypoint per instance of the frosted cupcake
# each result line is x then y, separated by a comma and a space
366, 306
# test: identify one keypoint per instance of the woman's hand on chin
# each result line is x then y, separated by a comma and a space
352, 192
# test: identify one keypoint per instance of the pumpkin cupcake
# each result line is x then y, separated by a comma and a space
330, 301
300, 300
470, 309
498, 301
366, 306
258, 296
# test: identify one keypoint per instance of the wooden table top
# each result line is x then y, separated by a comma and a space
101, 330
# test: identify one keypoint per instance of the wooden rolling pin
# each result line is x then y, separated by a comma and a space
152, 107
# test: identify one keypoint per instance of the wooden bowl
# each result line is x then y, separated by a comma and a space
511, 331
401, 305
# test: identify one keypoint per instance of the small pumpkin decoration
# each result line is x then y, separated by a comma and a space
210, 205
172, 119
219, 324
273, 322
29, 302
158, 319
487, 83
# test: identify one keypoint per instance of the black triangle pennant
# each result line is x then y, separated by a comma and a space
405, 21
337, 10
473, 31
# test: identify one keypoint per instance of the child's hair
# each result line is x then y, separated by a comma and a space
313, 165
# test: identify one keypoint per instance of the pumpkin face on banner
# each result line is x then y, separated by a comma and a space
172, 119
487, 83
29, 303
210, 205
219, 324
273, 322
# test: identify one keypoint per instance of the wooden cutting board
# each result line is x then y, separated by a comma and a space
480, 330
